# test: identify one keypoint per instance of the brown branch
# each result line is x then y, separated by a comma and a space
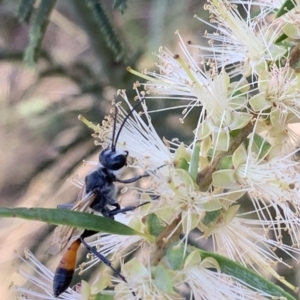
204, 178
164, 241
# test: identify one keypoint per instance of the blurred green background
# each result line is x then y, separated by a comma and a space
42, 143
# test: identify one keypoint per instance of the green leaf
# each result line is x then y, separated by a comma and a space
70, 218
106, 27
286, 7
25, 10
37, 31
247, 276
281, 38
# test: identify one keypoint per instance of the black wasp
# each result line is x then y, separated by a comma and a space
98, 194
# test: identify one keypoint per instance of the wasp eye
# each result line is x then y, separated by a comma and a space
113, 160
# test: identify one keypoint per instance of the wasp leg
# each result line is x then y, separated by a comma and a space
106, 261
125, 209
107, 213
136, 178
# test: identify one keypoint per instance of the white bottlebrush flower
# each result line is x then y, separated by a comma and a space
290, 22
41, 282
182, 198
223, 103
145, 284
274, 185
206, 282
246, 42
254, 246
277, 102
278, 97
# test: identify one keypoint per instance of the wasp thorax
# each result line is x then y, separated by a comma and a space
113, 160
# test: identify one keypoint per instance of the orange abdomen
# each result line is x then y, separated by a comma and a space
65, 269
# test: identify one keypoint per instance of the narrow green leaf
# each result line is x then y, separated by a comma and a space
286, 7
247, 276
25, 10
37, 31
70, 218
106, 28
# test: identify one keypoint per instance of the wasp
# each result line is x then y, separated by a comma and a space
98, 193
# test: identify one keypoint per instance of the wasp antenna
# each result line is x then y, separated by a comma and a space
125, 119
113, 143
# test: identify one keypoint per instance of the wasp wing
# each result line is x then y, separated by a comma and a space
64, 234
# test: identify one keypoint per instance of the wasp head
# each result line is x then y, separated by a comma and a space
113, 159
